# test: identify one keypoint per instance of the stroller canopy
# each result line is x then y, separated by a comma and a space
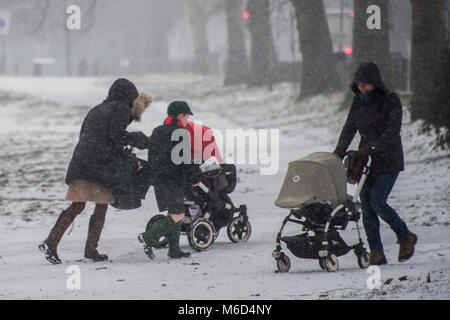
318, 178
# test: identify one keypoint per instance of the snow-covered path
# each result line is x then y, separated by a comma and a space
39, 130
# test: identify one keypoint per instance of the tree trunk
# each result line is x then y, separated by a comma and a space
262, 63
428, 42
237, 65
370, 44
430, 64
197, 18
319, 72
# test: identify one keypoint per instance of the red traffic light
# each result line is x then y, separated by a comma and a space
348, 51
246, 15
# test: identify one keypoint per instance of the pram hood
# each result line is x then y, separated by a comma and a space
317, 178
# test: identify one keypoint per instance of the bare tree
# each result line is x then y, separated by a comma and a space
370, 44
430, 64
198, 20
35, 11
319, 72
237, 64
262, 62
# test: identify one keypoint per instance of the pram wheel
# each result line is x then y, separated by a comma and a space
364, 260
330, 263
283, 263
321, 264
238, 230
161, 242
202, 234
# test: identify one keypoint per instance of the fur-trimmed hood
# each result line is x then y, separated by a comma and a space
140, 104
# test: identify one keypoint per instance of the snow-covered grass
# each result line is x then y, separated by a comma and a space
39, 125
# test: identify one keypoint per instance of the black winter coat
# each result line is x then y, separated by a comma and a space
103, 136
163, 170
378, 122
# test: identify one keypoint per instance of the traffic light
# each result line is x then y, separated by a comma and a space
246, 15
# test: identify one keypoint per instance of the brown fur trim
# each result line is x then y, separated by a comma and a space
139, 105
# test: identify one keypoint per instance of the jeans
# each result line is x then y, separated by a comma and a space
374, 195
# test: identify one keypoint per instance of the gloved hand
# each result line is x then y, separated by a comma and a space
138, 140
339, 152
365, 151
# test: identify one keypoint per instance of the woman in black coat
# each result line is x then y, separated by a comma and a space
376, 114
91, 170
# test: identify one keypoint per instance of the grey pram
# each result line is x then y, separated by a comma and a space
315, 191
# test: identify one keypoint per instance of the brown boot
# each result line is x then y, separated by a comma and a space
407, 247
377, 258
50, 245
95, 230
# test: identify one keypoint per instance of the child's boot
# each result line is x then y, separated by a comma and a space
161, 228
174, 242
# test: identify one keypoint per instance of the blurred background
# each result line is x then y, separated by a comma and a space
315, 44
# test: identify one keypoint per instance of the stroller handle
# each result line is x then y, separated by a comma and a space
363, 179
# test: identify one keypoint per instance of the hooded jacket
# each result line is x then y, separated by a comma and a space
103, 135
378, 121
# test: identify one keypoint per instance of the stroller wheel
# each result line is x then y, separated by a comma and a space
201, 235
216, 235
239, 231
321, 264
161, 242
283, 263
330, 263
364, 260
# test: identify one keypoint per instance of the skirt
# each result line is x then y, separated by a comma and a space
85, 191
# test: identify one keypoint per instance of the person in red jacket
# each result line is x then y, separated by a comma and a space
203, 143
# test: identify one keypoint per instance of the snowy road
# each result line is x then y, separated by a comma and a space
39, 130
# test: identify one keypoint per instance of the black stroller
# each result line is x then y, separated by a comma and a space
210, 208
315, 191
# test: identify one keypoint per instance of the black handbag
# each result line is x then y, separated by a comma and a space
131, 181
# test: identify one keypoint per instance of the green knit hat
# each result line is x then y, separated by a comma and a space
178, 107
